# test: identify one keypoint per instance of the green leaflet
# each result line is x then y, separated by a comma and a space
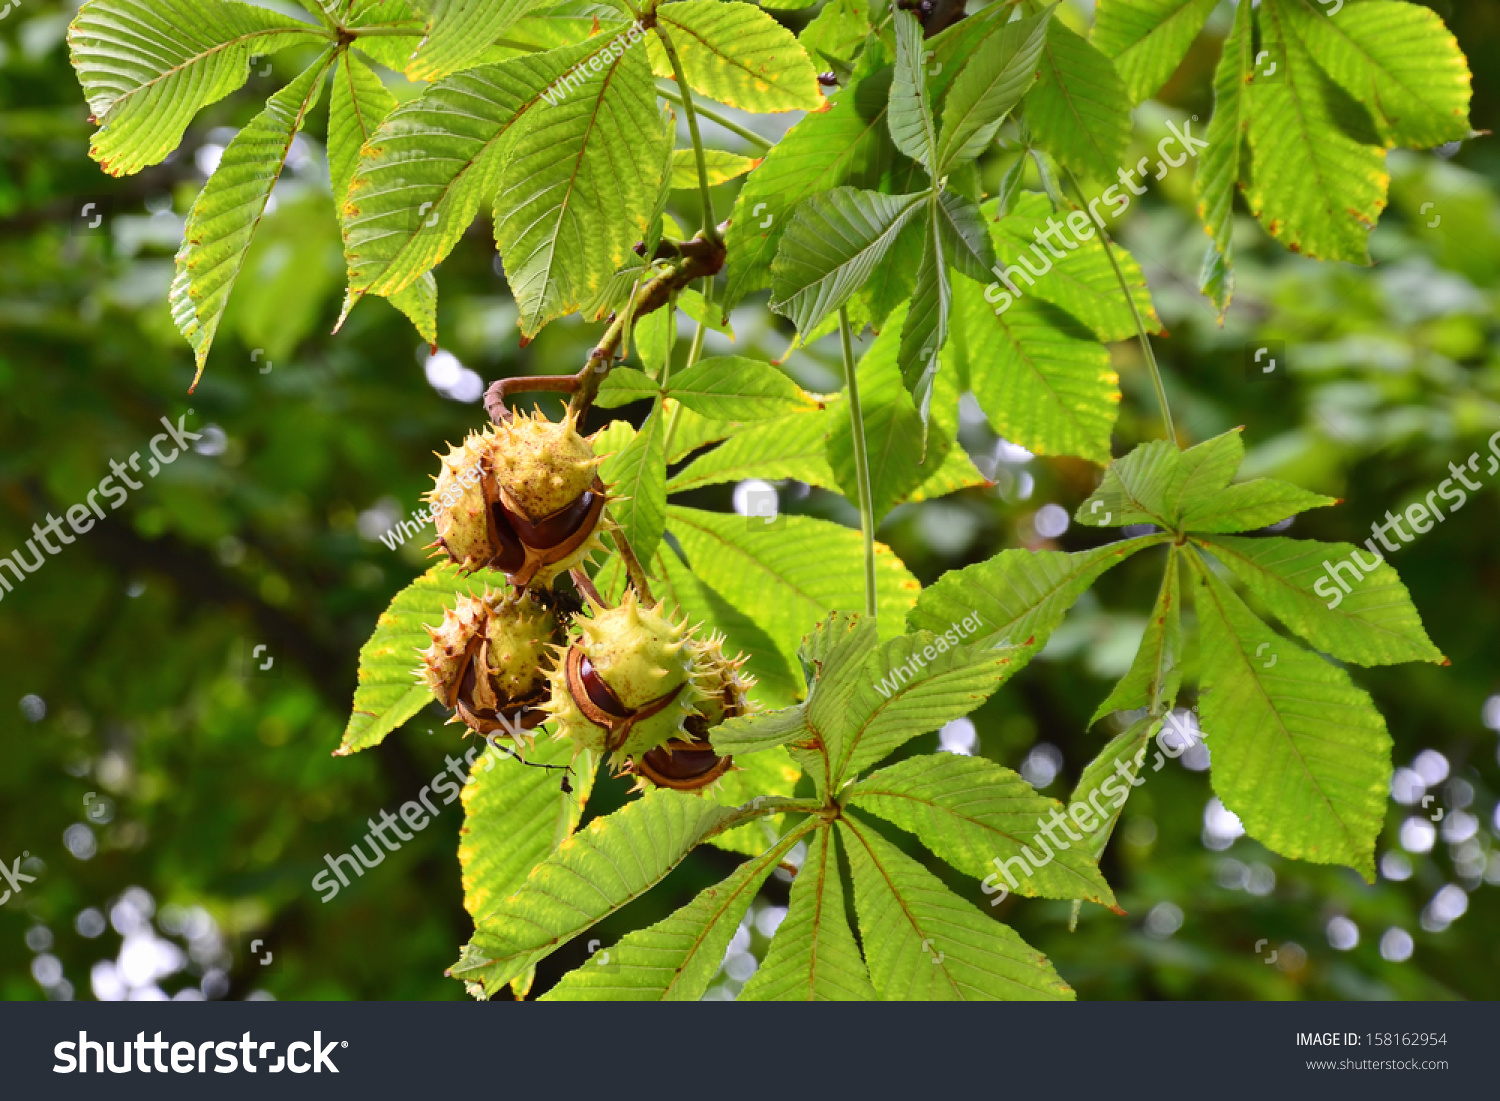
1299, 753
813, 956
1019, 596
964, 235
459, 32
1081, 280
765, 730
637, 477
593, 873
788, 577
229, 208
1041, 378
924, 943
1250, 505
910, 114
675, 959
515, 817
737, 54
834, 242
358, 103
1147, 39
1399, 61
1221, 166
580, 185
910, 686
1375, 623
973, 814
847, 144
1155, 675
893, 430
148, 66
733, 388
1106, 784
722, 167
926, 327
996, 75
790, 447
433, 164
1079, 110
1317, 189
390, 691
624, 385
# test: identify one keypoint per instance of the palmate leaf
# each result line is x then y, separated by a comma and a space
1019, 596
813, 956
459, 31
788, 577
1317, 189
1155, 674
593, 873
737, 54
515, 816
148, 66
1222, 164
996, 75
924, 943
1299, 753
847, 144
834, 242
1147, 39
229, 208
893, 431
389, 691
580, 186
789, 447
1082, 281
1079, 110
432, 165
675, 959
1399, 61
1375, 623
1041, 378
973, 813
910, 686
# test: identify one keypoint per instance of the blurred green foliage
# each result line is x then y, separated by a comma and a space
133, 721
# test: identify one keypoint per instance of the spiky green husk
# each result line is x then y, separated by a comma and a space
543, 465
518, 631
460, 511
642, 657
444, 662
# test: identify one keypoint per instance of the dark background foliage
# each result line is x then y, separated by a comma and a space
175, 802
